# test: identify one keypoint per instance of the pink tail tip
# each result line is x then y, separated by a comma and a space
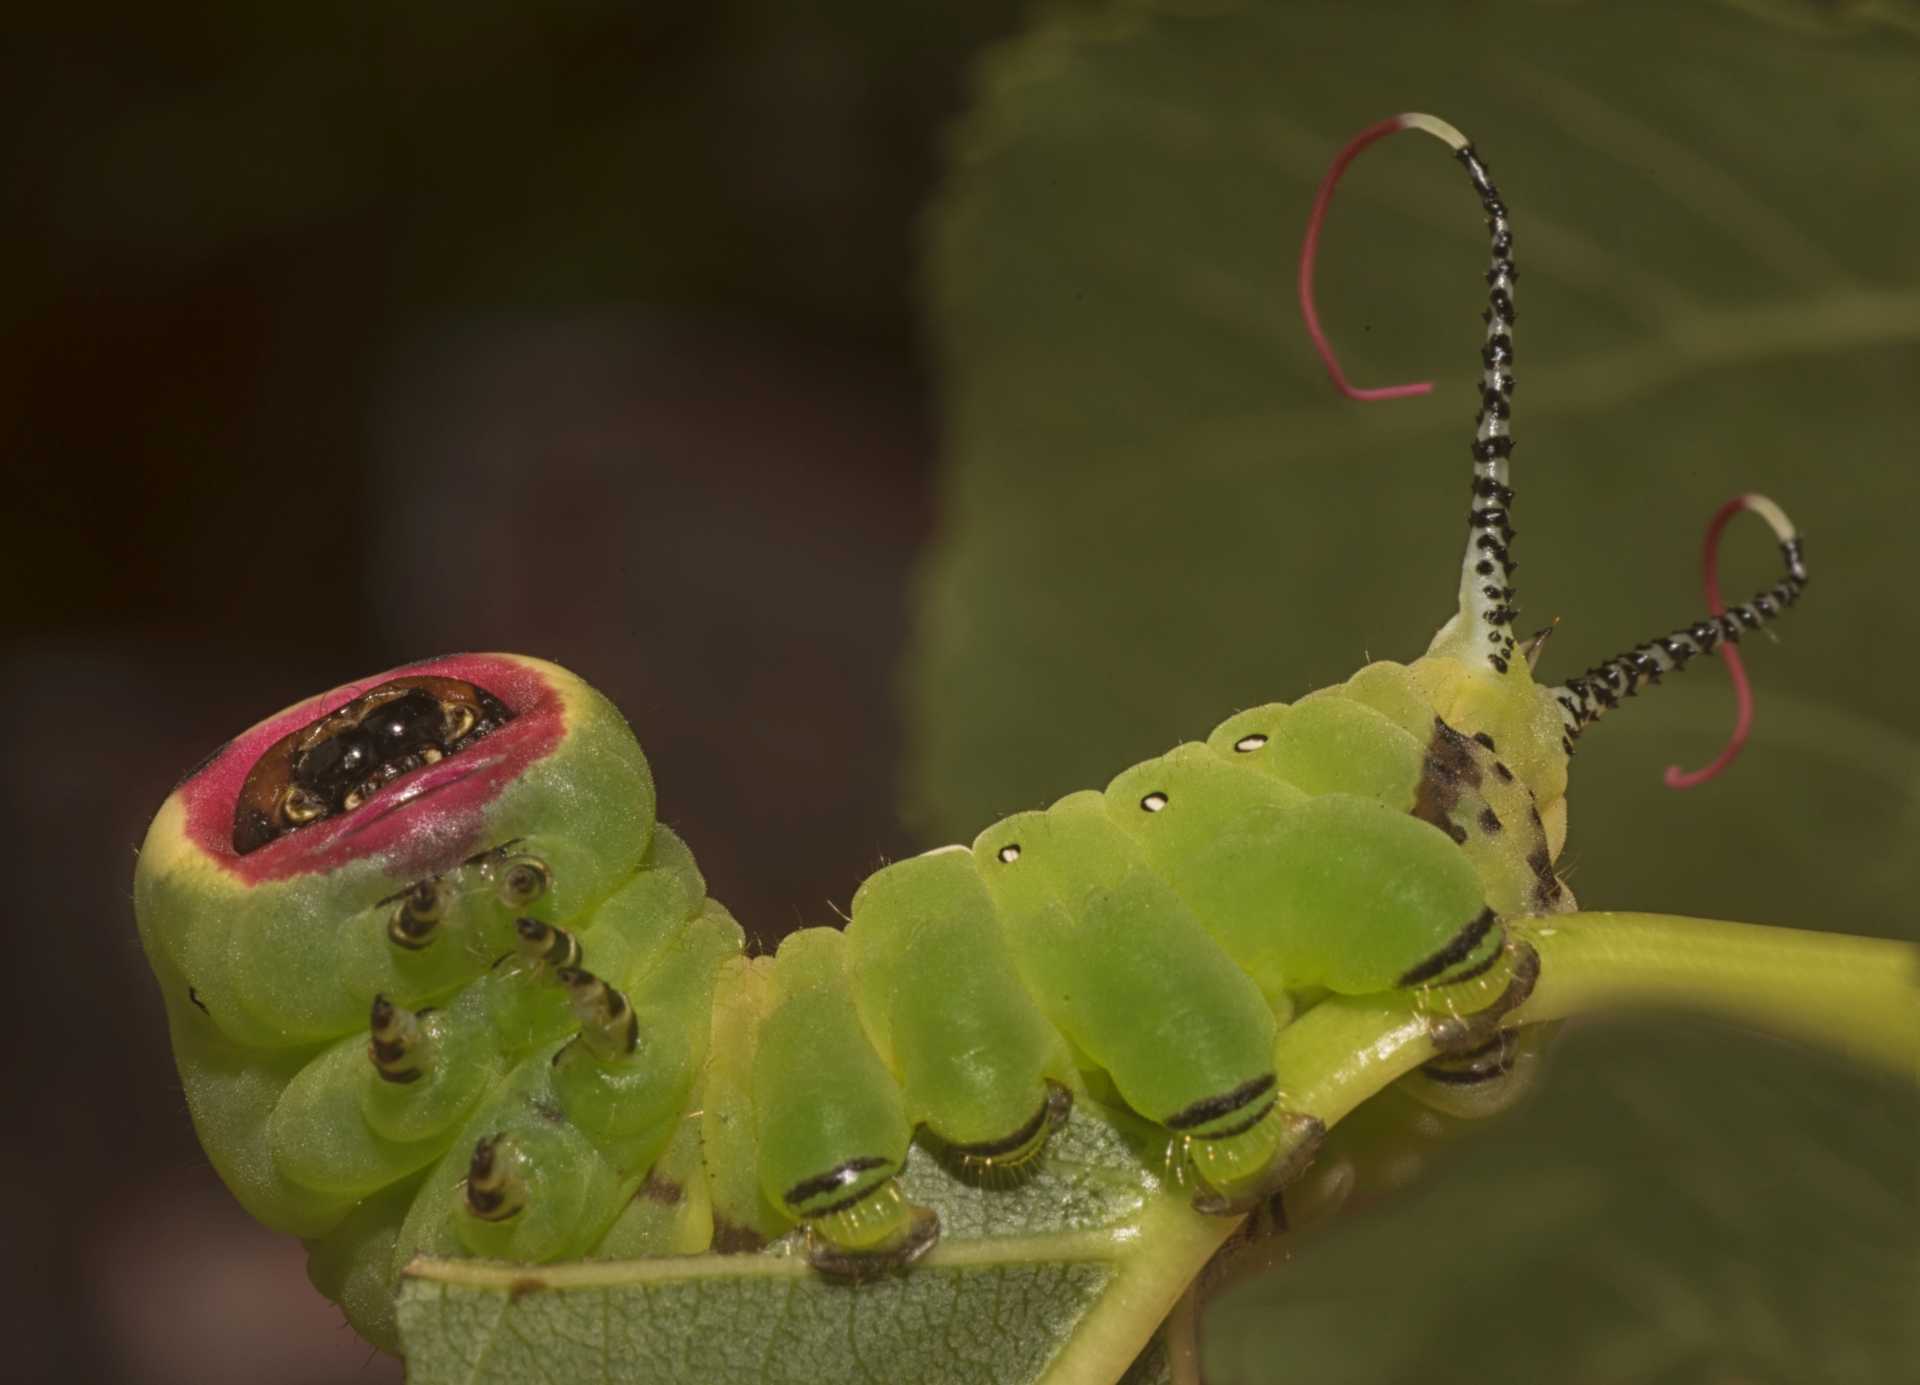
1311, 245
1675, 777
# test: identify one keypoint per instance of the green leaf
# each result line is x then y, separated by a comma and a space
1156, 511
1096, 1244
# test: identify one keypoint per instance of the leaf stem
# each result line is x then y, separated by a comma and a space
1857, 996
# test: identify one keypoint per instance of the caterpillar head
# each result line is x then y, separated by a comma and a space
382, 838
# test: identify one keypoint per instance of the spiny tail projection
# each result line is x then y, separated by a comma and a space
1486, 577
1486, 582
1584, 700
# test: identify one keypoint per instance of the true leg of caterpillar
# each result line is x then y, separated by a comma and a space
398, 1047
625, 1078
609, 1031
627, 933
428, 1068
831, 1125
535, 1189
319, 1139
370, 1110
939, 993
543, 945
496, 1187
586, 1117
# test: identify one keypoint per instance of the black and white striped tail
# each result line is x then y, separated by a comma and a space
1483, 627
1584, 700
1486, 582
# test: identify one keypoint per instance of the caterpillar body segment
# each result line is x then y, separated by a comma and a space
1123, 967
831, 1124
943, 1001
1324, 744
744, 1217
671, 1213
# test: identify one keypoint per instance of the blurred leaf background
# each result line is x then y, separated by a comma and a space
1156, 510
338, 337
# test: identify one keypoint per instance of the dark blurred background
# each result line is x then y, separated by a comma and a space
339, 336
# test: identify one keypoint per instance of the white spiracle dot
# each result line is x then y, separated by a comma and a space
1247, 744
1009, 853
1154, 802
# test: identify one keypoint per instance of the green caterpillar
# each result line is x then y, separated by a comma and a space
439, 982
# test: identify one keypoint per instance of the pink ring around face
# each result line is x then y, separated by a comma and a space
433, 811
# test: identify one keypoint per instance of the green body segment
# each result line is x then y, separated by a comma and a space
630, 1105
1337, 890
831, 1122
744, 1217
1391, 690
941, 996
672, 1213
1120, 964
1325, 744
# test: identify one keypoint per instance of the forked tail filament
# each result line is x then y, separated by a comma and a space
1677, 778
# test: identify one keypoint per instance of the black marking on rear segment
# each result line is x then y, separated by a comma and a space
1448, 771
833, 1180
1212, 1108
1547, 889
1241, 1127
1458, 949
1050, 1112
1479, 968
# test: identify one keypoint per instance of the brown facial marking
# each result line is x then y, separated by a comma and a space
336, 763
1546, 889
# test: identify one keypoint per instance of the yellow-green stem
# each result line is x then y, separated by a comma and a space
1858, 996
